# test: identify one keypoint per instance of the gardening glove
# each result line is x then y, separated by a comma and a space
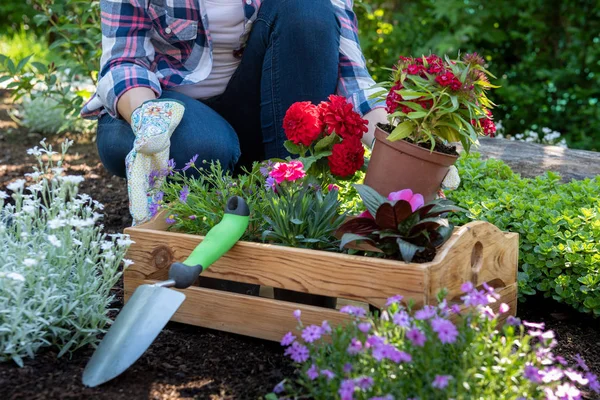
153, 123
451, 182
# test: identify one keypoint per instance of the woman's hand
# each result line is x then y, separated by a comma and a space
376, 116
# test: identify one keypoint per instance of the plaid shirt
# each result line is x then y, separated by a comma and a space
164, 43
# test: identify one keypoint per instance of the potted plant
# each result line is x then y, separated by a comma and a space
431, 103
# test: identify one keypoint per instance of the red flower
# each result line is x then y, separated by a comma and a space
347, 157
448, 79
435, 69
487, 124
339, 117
302, 124
414, 69
393, 98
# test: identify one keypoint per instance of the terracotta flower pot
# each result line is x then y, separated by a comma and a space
402, 165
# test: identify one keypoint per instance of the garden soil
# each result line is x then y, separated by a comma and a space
188, 362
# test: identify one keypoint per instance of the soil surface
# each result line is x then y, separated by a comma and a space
188, 362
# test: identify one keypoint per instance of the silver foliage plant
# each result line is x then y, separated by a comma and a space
57, 268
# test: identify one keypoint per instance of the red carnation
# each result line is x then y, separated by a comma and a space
302, 124
339, 117
347, 157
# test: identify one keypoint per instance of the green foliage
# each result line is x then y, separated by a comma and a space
558, 224
22, 43
423, 355
544, 53
14, 14
57, 268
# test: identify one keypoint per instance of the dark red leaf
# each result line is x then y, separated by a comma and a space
358, 226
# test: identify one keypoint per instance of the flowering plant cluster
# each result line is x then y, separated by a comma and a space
57, 268
327, 137
437, 352
435, 100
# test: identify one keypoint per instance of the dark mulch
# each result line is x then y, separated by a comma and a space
189, 362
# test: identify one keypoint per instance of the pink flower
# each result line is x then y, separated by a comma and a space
291, 171
415, 199
503, 308
333, 187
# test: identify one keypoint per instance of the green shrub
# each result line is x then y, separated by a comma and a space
558, 224
56, 266
423, 355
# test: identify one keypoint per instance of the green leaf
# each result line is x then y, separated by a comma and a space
22, 63
292, 147
42, 68
411, 94
308, 161
402, 131
371, 199
296, 221
407, 250
327, 142
417, 114
454, 100
351, 237
4, 78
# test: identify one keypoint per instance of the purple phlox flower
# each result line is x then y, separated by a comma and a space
532, 373
190, 163
311, 333
581, 362
534, 325
183, 195
426, 312
297, 352
171, 219
153, 209
386, 397
395, 355
279, 388
364, 327
346, 391
297, 314
416, 337
551, 374
441, 381
347, 368
374, 341
192, 217
488, 313
514, 321
455, 308
475, 298
445, 329
354, 347
325, 327
576, 377
402, 319
354, 310
313, 372
270, 183
393, 300
328, 374
363, 382
566, 391
288, 339
593, 382
466, 287
503, 308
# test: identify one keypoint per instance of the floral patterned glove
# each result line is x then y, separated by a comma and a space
153, 123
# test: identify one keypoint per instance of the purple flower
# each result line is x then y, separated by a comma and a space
325, 327
532, 373
513, 321
190, 163
566, 391
354, 310
270, 183
297, 314
374, 341
426, 312
503, 308
311, 333
466, 287
328, 374
393, 300
445, 329
534, 325
363, 382
401, 319
476, 298
441, 381
297, 352
183, 195
346, 391
395, 355
313, 372
159, 196
488, 313
192, 217
347, 368
581, 362
171, 219
593, 382
279, 387
266, 168
416, 337
170, 167
561, 360
153, 209
354, 347
455, 308
386, 397
288, 339
364, 327
551, 374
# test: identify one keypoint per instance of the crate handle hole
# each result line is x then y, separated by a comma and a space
476, 261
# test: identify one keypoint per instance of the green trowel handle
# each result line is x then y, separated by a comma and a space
217, 242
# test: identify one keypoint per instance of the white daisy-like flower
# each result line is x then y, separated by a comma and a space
109, 255
74, 179
98, 205
54, 241
84, 197
15, 276
16, 185
57, 170
29, 262
29, 209
96, 216
56, 223
34, 151
3, 195
106, 245
127, 263
77, 242
126, 242
33, 175
35, 187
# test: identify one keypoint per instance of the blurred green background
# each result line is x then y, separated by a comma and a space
545, 53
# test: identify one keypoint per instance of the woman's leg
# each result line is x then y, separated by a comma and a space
201, 131
292, 55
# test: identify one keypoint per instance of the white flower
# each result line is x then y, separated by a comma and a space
3, 195
98, 205
109, 255
16, 185
125, 242
57, 170
77, 242
15, 276
74, 179
96, 216
56, 223
54, 241
29, 262
36, 187
35, 151
127, 263
106, 245
84, 197
29, 209
24, 235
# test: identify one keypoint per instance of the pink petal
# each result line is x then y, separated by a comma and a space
366, 214
404, 194
417, 201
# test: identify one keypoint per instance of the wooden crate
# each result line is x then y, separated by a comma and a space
477, 252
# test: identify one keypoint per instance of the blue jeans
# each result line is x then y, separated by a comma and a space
292, 55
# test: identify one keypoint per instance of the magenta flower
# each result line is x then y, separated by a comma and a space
503, 308
363, 382
183, 195
364, 327
393, 300
325, 327
488, 313
297, 314
328, 374
297, 352
532, 373
581, 362
441, 381
354, 347
192, 217
416, 337
290, 171
331, 187
401, 319
190, 163
353, 310
288, 339
313, 372
445, 329
346, 391
426, 312
311, 333
415, 200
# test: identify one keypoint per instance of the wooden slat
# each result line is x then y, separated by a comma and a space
245, 315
